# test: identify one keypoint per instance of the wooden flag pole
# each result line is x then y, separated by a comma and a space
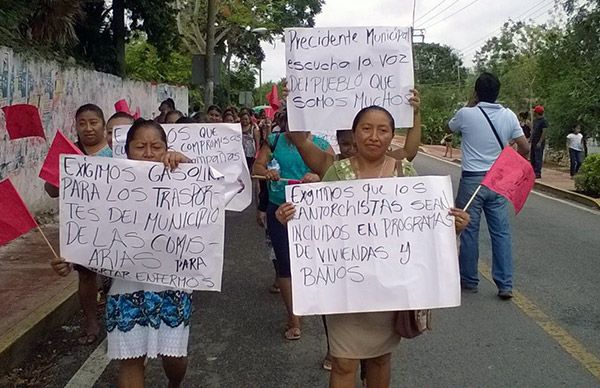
47, 242
472, 198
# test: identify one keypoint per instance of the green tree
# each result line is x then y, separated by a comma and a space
440, 76
144, 62
569, 70
437, 64
237, 21
47, 25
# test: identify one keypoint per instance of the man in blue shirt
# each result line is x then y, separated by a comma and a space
486, 128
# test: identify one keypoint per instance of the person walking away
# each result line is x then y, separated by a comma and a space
486, 128
576, 149
447, 141
538, 140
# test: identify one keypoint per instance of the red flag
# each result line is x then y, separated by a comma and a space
511, 176
23, 120
122, 106
15, 218
273, 98
60, 145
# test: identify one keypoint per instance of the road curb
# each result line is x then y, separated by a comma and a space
17, 343
567, 194
540, 186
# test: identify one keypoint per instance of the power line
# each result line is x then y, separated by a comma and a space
432, 9
531, 16
441, 12
530, 11
452, 14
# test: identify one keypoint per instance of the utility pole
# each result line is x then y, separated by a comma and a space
209, 66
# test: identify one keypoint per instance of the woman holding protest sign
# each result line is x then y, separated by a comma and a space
91, 140
365, 336
279, 158
146, 320
320, 161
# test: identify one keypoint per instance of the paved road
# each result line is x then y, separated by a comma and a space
236, 338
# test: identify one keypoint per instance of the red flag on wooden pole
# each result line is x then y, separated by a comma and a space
15, 219
23, 120
512, 177
60, 145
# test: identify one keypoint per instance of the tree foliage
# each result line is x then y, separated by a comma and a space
84, 29
440, 76
144, 62
437, 64
237, 18
552, 66
570, 73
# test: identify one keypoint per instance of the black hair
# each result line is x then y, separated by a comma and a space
341, 133
363, 111
214, 107
169, 102
232, 109
91, 108
245, 110
174, 112
121, 115
487, 87
142, 123
200, 117
523, 115
185, 120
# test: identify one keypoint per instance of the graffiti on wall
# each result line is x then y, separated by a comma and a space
57, 92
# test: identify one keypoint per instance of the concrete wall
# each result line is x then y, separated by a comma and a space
58, 92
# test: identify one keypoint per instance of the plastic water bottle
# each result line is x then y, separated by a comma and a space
274, 165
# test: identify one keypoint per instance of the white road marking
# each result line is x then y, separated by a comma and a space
91, 369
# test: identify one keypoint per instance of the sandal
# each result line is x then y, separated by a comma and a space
327, 364
87, 339
274, 289
292, 334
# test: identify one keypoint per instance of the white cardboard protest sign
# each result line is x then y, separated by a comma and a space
332, 73
373, 245
139, 221
218, 145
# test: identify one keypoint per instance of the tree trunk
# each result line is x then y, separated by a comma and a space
118, 28
210, 53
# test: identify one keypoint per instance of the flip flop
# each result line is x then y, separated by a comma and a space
292, 334
274, 289
327, 364
87, 339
